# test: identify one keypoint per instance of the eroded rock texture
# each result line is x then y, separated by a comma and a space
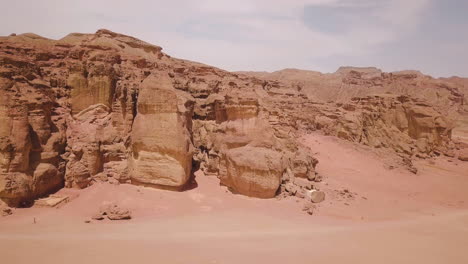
161, 148
105, 106
351, 82
406, 125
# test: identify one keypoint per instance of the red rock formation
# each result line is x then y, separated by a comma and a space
161, 152
94, 107
406, 111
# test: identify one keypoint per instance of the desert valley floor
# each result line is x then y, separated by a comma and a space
385, 216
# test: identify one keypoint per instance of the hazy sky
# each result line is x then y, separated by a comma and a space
428, 35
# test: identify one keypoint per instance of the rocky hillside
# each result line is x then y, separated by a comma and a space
109, 107
446, 95
350, 82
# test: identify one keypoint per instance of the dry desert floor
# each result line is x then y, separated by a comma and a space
373, 213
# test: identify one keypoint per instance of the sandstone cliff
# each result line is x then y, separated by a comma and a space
105, 106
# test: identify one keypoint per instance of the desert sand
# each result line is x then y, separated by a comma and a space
385, 216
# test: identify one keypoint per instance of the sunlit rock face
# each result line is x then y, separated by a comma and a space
161, 151
31, 140
109, 107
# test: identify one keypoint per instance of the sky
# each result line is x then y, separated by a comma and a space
269, 35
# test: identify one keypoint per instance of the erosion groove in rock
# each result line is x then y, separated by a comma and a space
105, 106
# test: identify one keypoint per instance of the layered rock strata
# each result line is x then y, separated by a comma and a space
109, 107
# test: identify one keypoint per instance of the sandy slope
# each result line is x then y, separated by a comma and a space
392, 217
439, 186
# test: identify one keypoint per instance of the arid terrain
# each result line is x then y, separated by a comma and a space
112, 151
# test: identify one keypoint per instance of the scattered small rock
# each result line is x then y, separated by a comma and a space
6, 211
303, 183
318, 178
291, 188
409, 165
463, 155
450, 154
113, 181
98, 217
309, 208
113, 212
347, 194
317, 196
300, 194
119, 214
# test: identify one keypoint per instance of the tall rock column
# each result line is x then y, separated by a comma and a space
30, 145
161, 151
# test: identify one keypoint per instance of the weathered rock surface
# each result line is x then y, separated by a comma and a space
52, 201
161, 152
408, 126
5, 210
109, 107
463, 155
316, 196
32, 135
350, 82
112, 211
253, 171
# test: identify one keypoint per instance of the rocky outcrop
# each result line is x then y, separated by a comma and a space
239, 144
31, 138
408, 126
5, 210
463, 155
109, 107
350, 82
161, 151
253, 171
112, 211
93, 147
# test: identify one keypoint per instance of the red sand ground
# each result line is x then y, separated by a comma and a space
393, 217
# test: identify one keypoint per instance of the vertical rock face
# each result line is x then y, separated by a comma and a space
43, 146
105, 106
31, 140
97, 88
85, 136
161, 152
408, 126
251, 162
